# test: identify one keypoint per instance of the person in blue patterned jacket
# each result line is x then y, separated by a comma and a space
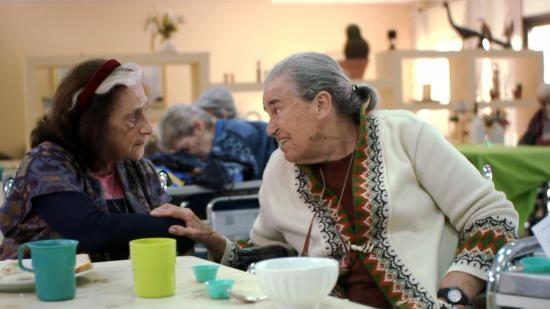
241, 148
85, 177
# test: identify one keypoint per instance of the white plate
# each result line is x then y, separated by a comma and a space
27, 283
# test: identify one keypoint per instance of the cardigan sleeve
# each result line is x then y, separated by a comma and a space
484, 219
264, 233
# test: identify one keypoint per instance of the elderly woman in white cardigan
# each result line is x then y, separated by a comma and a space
411, 221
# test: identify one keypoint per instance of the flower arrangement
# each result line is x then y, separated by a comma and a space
163, 25
496, 117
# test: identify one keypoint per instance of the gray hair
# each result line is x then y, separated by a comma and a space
177, 122
219, 100
313, 72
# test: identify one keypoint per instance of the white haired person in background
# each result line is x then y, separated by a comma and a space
538, 131
244, 147
411, 221
218, 102
85, 177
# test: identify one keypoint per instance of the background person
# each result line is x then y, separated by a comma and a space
84, 177
370, 189
241, 147
218, 102
538, 130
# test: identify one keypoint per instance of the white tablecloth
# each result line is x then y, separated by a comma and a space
110, 285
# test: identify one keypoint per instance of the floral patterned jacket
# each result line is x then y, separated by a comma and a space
48, 168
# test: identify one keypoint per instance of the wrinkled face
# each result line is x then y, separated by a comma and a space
194, 144
129, 127
293, 122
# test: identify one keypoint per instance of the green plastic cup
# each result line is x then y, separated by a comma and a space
205, 272
53, 263
154, 266
219, 289
535, 264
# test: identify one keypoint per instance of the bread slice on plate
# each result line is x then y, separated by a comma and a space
83, 263
10, 271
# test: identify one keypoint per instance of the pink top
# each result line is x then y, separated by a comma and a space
111, 185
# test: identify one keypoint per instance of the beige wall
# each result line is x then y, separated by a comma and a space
237, 33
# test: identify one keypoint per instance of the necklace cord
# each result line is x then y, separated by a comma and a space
305, 249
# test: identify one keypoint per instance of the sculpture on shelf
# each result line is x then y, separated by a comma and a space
356, 46
517, 92
486, 32
392, 36
495, 91
508, 31
466, 33
356, 51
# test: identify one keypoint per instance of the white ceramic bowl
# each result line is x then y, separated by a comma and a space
297, 282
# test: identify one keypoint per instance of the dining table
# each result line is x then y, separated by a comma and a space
517, 171
110, 285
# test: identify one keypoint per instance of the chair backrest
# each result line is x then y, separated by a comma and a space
196, 197
233, 216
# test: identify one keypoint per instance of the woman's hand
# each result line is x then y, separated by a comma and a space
470, 285
194, 228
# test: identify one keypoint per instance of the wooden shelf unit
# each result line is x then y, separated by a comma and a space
463, 67
36, 66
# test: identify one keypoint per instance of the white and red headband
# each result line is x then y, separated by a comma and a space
110, 74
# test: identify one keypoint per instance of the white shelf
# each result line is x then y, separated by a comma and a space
415, 106
509, 103
400, 70
395, 67
241, 87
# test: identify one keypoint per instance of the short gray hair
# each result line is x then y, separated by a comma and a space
219, 100
177, 122
312, 72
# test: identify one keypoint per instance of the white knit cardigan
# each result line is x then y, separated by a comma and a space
427, 210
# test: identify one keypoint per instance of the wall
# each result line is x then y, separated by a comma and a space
237, 33
535, 7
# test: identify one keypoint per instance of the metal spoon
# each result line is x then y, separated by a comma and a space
248, 299
251, 269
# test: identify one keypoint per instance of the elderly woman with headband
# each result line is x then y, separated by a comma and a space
411, 221
84, 177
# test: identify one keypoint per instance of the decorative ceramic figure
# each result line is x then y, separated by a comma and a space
476, 128
517, 92
466, 33
258, 71
496, 135
356, 52
392, 37
356, 46
495, 91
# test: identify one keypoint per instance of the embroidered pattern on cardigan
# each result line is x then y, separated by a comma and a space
482, 239
310, 192
385, 266
387, 269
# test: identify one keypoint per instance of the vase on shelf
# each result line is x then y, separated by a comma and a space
496, 135
167, 46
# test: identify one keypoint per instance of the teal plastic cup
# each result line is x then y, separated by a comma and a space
219, 289
53, 264
535, 264
205, 272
